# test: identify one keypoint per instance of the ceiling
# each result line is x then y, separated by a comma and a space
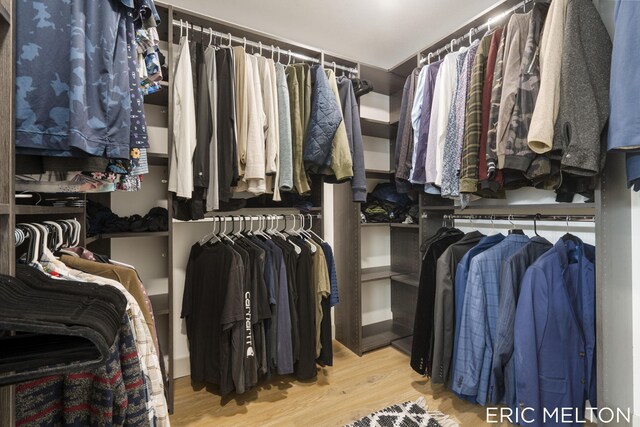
375, 32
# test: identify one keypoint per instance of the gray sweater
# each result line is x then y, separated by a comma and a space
285, 154
351, 115
584, 90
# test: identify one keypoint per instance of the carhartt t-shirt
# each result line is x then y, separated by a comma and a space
73, 77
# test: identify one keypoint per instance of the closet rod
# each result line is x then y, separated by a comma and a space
240, 217
521, 217
476, 30
274, 49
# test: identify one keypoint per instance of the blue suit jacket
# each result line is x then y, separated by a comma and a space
554, 332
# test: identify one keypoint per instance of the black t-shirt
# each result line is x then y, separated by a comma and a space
212, 305
305, 369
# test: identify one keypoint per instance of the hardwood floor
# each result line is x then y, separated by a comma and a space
351, 389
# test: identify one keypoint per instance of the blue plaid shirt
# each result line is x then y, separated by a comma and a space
479, 319
462, 273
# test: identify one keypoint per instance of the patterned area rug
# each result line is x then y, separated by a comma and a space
407, 414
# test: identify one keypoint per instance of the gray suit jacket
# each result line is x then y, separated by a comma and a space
444, 314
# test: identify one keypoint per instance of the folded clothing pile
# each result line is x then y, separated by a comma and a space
385, 204
101, 220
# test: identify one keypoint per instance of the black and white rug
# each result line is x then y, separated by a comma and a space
407, 414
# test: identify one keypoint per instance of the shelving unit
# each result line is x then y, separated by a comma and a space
397, 280
47, 210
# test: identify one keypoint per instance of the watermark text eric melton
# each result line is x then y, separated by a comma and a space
524, 416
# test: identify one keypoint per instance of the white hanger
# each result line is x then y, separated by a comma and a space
181, 28
470, 36
310, 229
334, 66
210, 36
289, 63
260, 48
244, 43
429, 57
278, 54
229, 34
453, 43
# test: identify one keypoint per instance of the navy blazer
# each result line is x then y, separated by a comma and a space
554, 333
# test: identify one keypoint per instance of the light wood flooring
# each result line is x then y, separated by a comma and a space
351, 389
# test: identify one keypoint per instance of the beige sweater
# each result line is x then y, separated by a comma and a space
546, 110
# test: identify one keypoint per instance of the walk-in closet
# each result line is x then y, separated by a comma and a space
319, 214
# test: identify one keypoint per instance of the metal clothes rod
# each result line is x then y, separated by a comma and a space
476, 30
227, 218
259, 45
521, 217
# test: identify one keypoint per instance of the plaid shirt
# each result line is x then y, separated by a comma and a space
473, 120
479, 319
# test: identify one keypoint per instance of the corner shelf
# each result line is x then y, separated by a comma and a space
376, 273
407, 279
382, 334
126, 235
375, 128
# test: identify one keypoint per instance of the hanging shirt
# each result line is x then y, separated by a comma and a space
473, 119
213, 191
184, 125
472, 374
442, 99
285, 160
453, 149
419, 159
69, 99
226, 124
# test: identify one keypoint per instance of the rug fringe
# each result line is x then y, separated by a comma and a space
441, 418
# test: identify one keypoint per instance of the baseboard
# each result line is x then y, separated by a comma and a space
181, 367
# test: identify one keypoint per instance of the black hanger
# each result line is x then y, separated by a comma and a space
535, 224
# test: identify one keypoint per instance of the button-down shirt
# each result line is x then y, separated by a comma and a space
462, 274
479, 319
513, 271
554, 333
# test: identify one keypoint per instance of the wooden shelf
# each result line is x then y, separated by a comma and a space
47, 210
160, 304
160, 97
376, 273
402, 225
379, 174
157, 159
5, 208
382, 334
403, 344
126, 235
376, 128
5, 14
407, 279
374, 224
